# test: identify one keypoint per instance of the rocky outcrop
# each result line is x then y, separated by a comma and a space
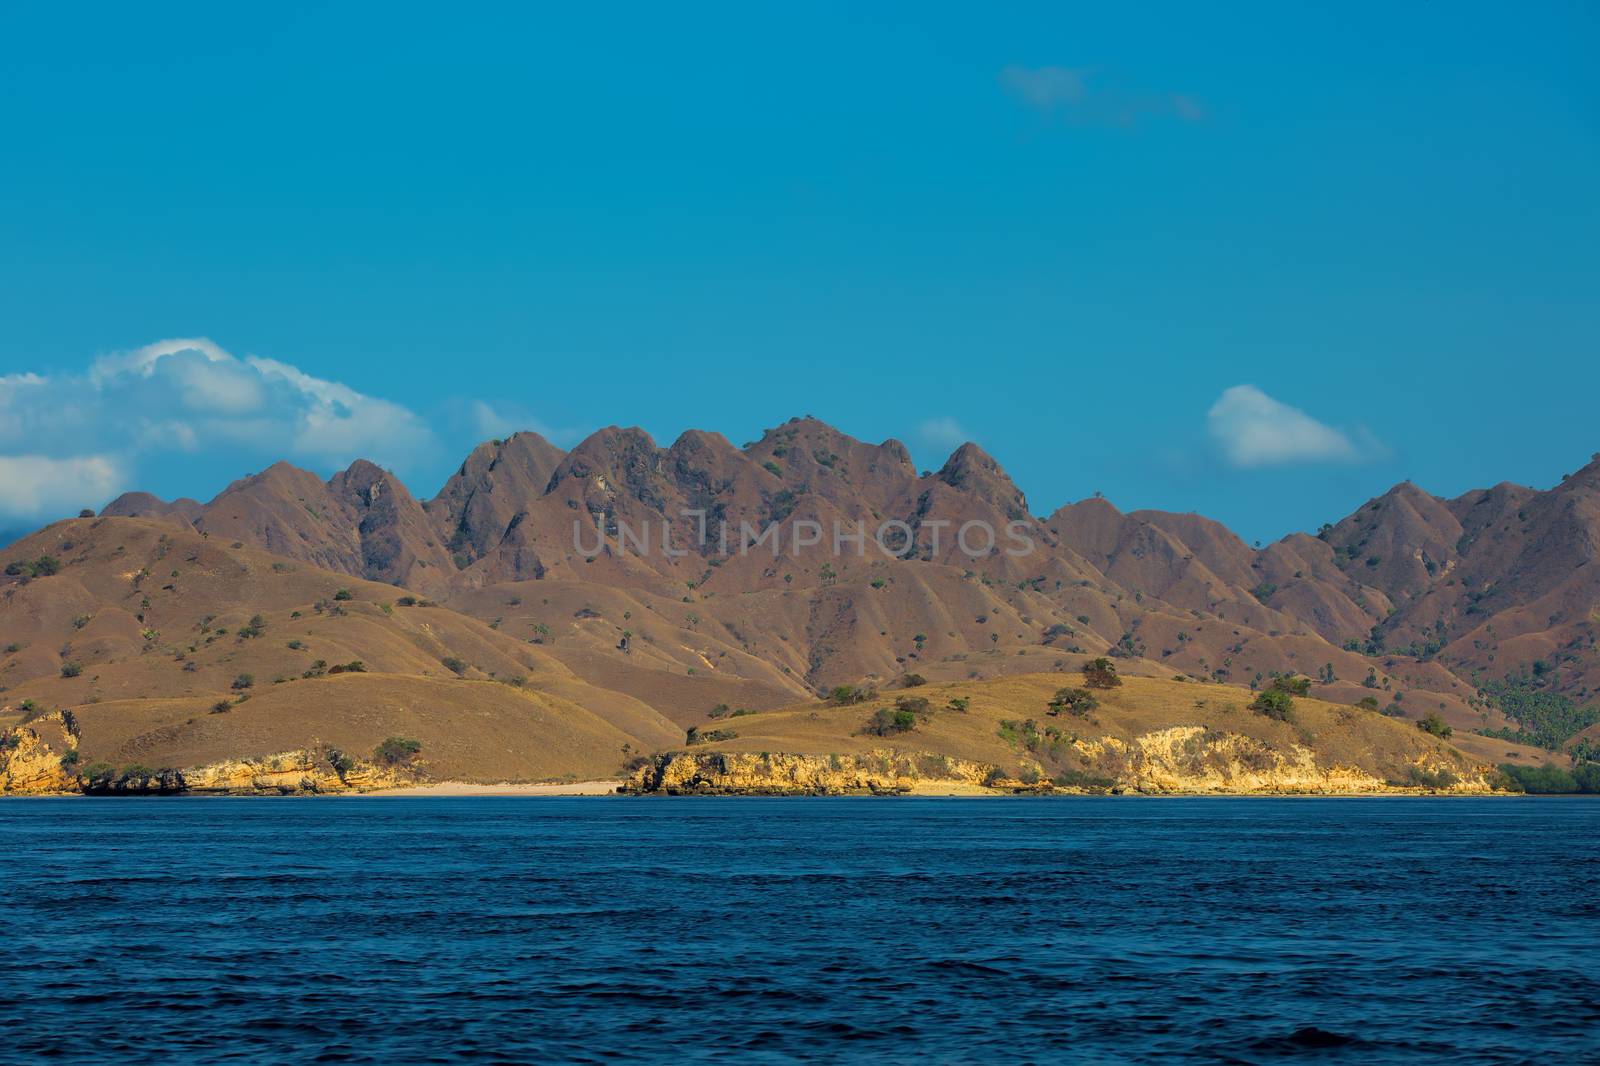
291, 773
1195, 760
1182, 760
753, 774
31, 766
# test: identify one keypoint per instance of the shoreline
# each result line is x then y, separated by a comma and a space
504, 788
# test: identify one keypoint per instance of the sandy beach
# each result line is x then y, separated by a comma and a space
463, 788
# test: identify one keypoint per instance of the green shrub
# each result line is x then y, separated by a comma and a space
396, 750
1275, 703
1420, 778
1432, 723
44, 566
344, 594
98, 774
243, 681
71, 669
885, 722
1100, 673
912, 681
694, 736
1074, 701
454, 664
1552, 780
1294, 686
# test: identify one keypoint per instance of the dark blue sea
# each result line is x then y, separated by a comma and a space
771, 930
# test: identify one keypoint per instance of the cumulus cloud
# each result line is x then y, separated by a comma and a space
1254, 430
37, 486
1082, 95
942, 432
485, 421
74, 440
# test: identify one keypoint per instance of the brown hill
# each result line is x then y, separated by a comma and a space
627, 575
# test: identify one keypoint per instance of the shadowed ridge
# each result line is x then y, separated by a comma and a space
616, 460
398, 543
972, 470
497, 480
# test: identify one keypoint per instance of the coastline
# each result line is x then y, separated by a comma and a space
505, 788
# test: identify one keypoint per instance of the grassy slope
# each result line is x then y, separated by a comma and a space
1339, 735
147, 684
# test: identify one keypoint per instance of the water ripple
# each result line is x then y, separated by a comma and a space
599, 930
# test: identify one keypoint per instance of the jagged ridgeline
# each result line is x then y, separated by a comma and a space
554, 614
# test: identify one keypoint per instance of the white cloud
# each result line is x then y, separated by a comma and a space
1081, 95
37, 486
488, 422
143, 361
942, 432
1254, 430
499, 421
67, 442
1046, 88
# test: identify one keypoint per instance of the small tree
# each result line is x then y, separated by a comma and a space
913, 680
914, 704
1275, 703
397, 750
1074, 701
1294, 686
1101, 673
885, 722
1433, 724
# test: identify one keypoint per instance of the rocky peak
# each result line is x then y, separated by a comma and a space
970, 469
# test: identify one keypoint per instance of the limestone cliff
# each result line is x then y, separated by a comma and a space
1196, 760
29, 766
1182, 760
749, 773
41, 758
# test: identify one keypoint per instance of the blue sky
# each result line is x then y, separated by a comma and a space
1066, 232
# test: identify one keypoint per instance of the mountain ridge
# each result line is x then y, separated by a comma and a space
1419, 602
